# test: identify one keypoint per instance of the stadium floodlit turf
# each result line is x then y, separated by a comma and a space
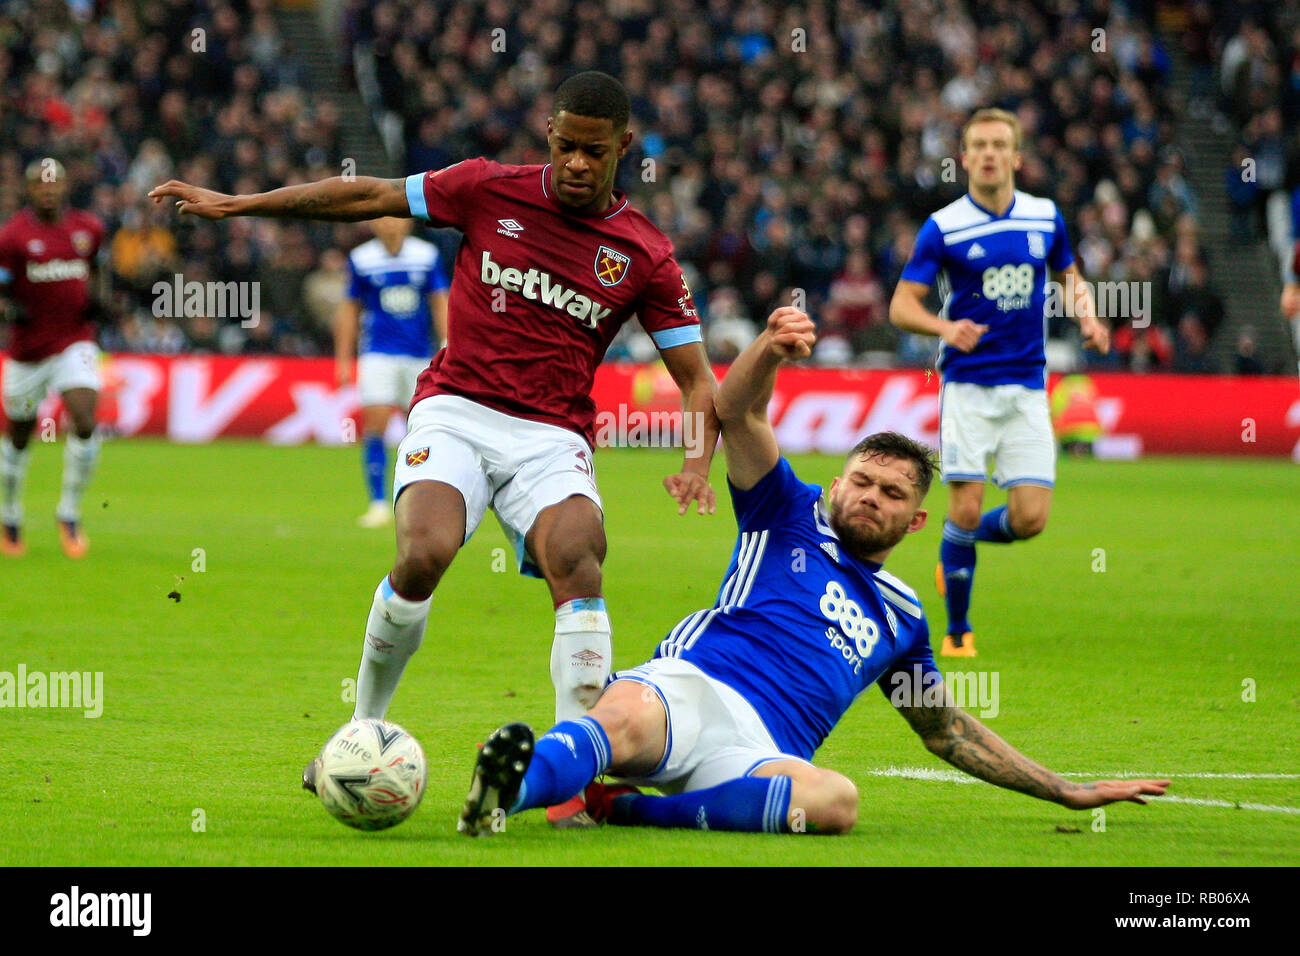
212, 704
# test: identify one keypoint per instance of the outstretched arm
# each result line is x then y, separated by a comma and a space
354, 199
689, 367
742, 399
968, 745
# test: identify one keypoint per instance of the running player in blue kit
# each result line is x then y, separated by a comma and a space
392, 319
727, 716
991, 252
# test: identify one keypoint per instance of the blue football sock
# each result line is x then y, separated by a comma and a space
957, 554
372, 454
571, 755
747, 805
996, 526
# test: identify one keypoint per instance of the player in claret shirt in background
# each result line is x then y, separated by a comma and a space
553, 262
47, 272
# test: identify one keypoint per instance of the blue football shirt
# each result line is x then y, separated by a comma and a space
800, 627
994, 270
394, 296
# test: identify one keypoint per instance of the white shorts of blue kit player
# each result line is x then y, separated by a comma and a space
1005, 427
714, 734
27, 383
387, 379
514, 466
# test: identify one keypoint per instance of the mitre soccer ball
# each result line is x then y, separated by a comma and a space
371, 774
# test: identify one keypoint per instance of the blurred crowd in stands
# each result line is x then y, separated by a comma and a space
1247, 58
786, 149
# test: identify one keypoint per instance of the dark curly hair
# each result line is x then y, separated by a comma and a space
894, 445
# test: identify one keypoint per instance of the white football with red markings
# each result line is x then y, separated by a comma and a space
371, 774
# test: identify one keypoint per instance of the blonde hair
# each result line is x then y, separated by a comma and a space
991, 115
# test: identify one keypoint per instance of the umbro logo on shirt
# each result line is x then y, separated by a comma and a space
833, 551
510, 227
976, 251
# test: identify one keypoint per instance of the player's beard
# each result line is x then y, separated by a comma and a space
863, 541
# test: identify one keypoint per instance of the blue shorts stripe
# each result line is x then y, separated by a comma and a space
1041, 482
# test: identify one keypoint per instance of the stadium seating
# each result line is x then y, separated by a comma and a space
780, 148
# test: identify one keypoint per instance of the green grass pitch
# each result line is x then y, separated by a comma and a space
212, 705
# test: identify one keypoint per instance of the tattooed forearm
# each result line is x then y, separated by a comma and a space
308, 207
968, 745
331, 200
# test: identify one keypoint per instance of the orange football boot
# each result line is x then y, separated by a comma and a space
963, 646
73, 540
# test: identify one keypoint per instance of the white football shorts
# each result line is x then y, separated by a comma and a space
513, 465
714, 734
387, 379
27, 383
1007, 427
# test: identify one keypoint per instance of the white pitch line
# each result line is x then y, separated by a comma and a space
1109, 774
1228, 804
925, 773
956, 776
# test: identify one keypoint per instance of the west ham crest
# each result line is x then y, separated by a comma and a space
417, 457
611, 266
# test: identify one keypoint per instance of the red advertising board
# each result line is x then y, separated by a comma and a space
291, 400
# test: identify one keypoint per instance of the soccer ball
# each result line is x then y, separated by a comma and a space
371, 774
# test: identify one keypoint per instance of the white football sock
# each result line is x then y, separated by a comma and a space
580, 656
394, 631
79, 455
13, 470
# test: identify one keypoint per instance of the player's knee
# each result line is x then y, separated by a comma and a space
635, 723
838, 804
626, 729
580, 556
1029, 524
841, 810
423, 556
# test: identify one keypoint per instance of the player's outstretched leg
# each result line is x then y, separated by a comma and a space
627, 729
499, 771
568, 540
15, 454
